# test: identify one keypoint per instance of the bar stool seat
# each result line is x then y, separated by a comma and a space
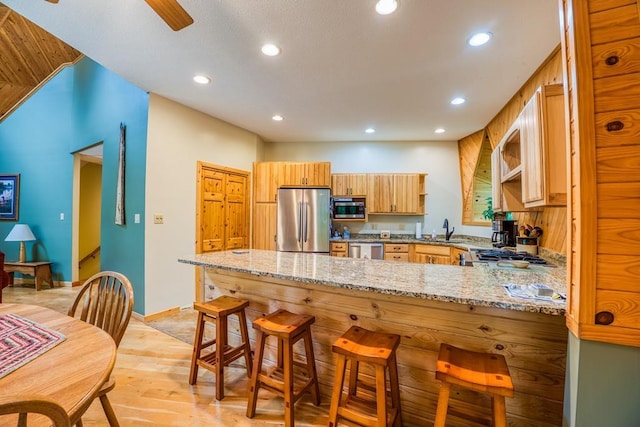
217, 311
284, 379
366, 404
481, 372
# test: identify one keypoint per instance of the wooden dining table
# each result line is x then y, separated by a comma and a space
71, 373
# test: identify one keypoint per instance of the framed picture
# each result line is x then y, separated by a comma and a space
9, 196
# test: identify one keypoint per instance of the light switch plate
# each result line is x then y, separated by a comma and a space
385, 234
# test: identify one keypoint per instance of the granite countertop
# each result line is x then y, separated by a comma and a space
480, 285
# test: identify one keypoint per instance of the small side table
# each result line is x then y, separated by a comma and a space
40, 270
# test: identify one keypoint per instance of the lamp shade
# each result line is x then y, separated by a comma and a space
20, 233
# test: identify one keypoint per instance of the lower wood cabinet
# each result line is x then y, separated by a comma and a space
339, 249
435, 254
264, 226
396, 252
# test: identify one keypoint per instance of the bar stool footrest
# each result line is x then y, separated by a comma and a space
354, 409
274, 382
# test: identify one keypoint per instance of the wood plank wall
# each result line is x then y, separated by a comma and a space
552, 220
533, 344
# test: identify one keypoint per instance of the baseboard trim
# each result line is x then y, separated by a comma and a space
155, 316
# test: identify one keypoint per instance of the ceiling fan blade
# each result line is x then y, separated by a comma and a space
171, 12
52, 1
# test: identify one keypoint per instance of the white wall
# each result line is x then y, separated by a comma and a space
438, 159
177, 138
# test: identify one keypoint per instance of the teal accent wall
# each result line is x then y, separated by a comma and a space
79, 107
602, 385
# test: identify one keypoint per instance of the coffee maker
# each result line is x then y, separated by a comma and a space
504, 233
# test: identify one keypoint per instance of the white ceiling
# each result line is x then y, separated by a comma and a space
343, 67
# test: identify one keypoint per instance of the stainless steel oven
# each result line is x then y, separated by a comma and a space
349, 208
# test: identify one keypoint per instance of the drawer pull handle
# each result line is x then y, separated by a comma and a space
612, 60
615, 126
604, 318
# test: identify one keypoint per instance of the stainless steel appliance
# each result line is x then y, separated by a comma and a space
366, 250
504, 232
349, 208
303, 220
493, 255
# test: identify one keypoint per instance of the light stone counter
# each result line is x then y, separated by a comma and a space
480, 285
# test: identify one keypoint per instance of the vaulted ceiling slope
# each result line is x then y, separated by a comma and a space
29, 56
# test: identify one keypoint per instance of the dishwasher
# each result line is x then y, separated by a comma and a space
366, 250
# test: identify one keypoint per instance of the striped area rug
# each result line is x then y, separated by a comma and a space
22, 340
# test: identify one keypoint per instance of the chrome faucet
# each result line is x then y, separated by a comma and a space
447, 234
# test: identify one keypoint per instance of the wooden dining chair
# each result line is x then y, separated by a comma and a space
106, 301
24, 405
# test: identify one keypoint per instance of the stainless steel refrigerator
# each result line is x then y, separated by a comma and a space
303, 220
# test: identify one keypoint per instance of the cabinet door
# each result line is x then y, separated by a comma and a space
293, 173
349, 184
267, 177
317, 174
533, 177
358, 184
442, 260
264, 226
212, 212
380, 193
406, 194
236, 214
340, 184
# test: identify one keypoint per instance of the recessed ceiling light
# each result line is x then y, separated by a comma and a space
277, 118
200, 79
385, 7
370, 130
439, 130
458, 100
270, 49
479, 39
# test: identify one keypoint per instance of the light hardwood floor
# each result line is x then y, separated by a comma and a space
152, 371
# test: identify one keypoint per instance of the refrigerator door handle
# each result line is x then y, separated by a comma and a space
300, 219
306, 221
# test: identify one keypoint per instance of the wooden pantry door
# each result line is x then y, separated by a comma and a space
222, 211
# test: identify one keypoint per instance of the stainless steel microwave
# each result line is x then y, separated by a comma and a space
349, 208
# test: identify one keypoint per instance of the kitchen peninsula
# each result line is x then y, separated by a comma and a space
425, 304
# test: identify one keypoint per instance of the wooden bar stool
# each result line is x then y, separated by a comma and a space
284, 380
217, 311
481, 372
379, 349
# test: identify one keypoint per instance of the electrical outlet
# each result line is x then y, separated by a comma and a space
158, 219
136, 218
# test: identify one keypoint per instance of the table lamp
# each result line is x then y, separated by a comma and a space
20, 233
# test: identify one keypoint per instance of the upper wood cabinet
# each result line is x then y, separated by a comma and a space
396, 194
506, 166
544, 149
308, 173
529, 164
269, 176
349, 184
266, 180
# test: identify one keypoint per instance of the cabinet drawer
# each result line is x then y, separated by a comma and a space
338, 247
396, 248
396, 256
433, 250
339, 254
